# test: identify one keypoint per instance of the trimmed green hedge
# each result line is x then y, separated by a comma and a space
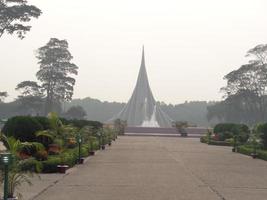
82, 123
22, 128
31, 165
67, 157
220, 143
50, 165
262, 154
229, 130
204, 139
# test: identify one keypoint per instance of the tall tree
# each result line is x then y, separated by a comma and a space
31, 98
75, 112
14, 15
55, 72
245, 92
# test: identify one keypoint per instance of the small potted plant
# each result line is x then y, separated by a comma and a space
80, 160
91, 143
234, 149
54, 149
17, 178
254, 154
62, 167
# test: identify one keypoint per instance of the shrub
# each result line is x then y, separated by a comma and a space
204, 139
50, 165
82, 123
220, 143
44, 121
54, 149
41, 155
244, 150
229, 130
31, 148
31, 165
262, 128
22, 128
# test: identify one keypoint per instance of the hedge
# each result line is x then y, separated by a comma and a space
31, 165
22, 128
262, 154
82, 123
67, 157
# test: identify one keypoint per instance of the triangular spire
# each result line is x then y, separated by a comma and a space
143, 57
142, 107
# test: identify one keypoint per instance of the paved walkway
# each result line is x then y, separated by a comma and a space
161, 168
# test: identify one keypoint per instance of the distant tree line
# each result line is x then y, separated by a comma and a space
194, 112
245, 99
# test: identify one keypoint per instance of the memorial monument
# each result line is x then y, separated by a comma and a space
142, 110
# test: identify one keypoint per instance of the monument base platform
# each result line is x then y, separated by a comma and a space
195, 132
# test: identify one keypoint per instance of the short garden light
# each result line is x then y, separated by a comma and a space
5, 159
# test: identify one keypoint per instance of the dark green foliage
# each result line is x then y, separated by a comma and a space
50, 165
32, 148
262, 129
245, 93
120, 126
30, 98
41, 155
55, 73
204, 139
14, 16
22, 128
44, 122
31, 165
230, 130
220, 143
262, 154
82, 123
75, 112
68, 157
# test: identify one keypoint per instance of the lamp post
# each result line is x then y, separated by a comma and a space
101, 139
5, 159
79, 140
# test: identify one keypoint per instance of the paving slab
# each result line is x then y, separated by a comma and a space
161, 168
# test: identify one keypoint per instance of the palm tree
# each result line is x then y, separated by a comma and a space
17, 177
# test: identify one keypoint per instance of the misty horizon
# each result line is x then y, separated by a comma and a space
190, 46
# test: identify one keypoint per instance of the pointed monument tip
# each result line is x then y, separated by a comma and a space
143, 56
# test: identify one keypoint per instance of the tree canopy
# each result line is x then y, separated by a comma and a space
55, 72
15, 15
245, 92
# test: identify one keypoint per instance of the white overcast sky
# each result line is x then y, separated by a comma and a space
190, 45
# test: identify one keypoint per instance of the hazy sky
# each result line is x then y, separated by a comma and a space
190, 45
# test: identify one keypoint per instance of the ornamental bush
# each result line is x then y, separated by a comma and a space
31, 165
50, 165
229, 130
262, 129
82, 123
22, 128
44, 121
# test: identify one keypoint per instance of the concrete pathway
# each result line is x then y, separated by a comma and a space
162, 168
